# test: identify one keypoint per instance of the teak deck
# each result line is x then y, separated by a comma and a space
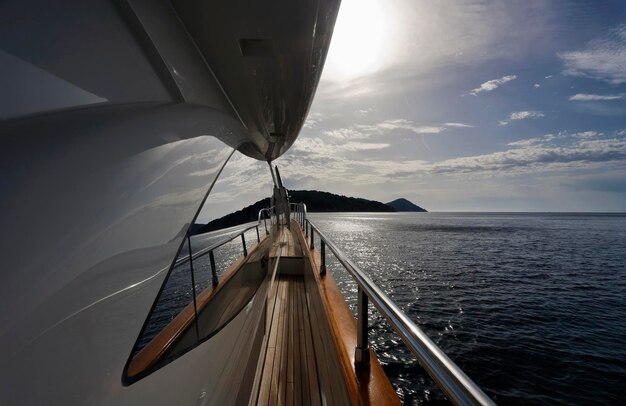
287, 244
310, 337
290, 371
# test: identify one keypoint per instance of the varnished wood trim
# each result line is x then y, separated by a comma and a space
163, 341
369, 386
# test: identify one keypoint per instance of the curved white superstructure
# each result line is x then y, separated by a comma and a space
116, 119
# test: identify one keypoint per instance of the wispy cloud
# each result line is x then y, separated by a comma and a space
603, 58
549, 139
324, 159
349, 133
535, 158
527, 156
402, 124
361, 132
522, 115
535, 140
595, 97
587, 134
458, 125
492, 84
408, 125
319, 146
312, 120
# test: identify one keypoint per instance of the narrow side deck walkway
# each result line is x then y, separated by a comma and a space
290, 370
296, 368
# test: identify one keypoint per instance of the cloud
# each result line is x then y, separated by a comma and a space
312, 120
525, 143
547, 139
522, 115
516, 161
587, 134
536, 85
620, 133
492, 84
408, 125
535, 158
363, 146
349, 133
318, 145
364, 131
458, 125
594, 97
402, 124
363, 112
312, 159
603, 58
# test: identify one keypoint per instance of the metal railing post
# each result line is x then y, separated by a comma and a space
213, 270
193, 287
243, 242
362, 350
312, 246
306, 229
323, 254
258, 237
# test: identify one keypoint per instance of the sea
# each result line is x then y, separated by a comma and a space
532, 306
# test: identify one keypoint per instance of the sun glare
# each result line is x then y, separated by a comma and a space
359, 39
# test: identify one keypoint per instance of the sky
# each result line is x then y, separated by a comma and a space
462, 106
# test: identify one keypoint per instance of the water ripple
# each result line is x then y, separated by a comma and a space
531, 306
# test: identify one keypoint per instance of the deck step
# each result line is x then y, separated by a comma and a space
287, 246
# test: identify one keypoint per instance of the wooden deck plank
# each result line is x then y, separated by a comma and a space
297, 373
299, 361
264, 390
282, 378
269, 364
275, 377
310, 357
276, 342
306, 396
290, 351
320, 353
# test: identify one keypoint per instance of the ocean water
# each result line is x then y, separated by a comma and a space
531, 306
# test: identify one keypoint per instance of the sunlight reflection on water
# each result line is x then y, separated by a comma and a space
506, 296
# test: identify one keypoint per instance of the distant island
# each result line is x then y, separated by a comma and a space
402, 204
315, 201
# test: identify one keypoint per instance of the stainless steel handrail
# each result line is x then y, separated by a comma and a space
269, 211
300, 210
459, 388
209, 250
226, 240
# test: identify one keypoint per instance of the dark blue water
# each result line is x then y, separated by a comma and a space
530, 306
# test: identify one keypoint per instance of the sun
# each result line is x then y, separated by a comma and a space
359, 39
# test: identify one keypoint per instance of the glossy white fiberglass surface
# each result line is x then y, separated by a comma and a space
60, 54
94, 205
